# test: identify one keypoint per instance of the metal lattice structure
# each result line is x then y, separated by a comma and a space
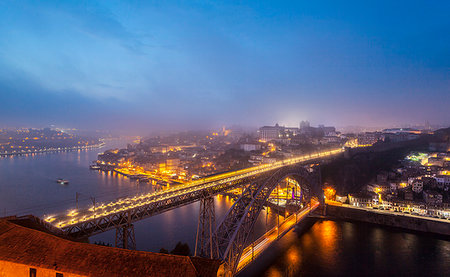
233, 232
160, 203
125, 237
204, 245
229, 238
226, 241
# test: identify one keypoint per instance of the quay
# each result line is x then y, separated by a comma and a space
387, 218
51, 150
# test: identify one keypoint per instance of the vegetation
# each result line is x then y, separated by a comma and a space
180, 249
350, 175
102, 243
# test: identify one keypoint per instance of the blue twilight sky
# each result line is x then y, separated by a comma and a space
189, 64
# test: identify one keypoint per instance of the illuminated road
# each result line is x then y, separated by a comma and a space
109, 212
261, 244
378, 211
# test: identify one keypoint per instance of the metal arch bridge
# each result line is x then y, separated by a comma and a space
227, 241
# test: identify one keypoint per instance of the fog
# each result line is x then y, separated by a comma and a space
172, 66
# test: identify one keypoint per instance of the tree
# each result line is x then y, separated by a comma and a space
164, 251
102, 243
181, 249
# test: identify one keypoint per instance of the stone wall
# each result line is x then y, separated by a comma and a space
392, 220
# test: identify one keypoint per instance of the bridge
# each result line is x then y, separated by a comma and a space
262, 243
228, 240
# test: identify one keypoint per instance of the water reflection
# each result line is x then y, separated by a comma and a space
28, 182
328, 248
274, 272
331, 248
326, 233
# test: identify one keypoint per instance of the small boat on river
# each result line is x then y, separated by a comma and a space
62, 181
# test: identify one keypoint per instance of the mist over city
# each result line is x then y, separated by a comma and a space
102, 65
234, 138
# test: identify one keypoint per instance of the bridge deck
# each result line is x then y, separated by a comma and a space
86, 222
252, 251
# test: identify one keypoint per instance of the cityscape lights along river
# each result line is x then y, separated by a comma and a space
75, 216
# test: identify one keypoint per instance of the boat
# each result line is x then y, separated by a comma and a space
62, 181
94, 167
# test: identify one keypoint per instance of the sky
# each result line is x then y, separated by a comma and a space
201, 64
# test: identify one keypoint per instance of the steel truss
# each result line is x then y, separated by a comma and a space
125, 237
204, 245
229, 237
233, 232
168, 201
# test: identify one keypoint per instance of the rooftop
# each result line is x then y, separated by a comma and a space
31, 247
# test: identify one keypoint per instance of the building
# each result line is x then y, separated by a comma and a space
365, 199
341, 199
436, 161
277, 133
250, 146
331, 139
432, 197
304, 125
327, 130
284, 134
173, 165
369, 138
417, 186
29, 252
291, 131
268, 133
409, 196
443, 181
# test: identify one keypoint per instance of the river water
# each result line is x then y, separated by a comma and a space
329, 248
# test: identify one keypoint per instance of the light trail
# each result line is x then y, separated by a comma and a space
252, 251
75, 217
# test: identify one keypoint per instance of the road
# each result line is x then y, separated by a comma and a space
378, 211
261, 244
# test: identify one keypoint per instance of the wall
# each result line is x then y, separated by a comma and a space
392, 220
9, 269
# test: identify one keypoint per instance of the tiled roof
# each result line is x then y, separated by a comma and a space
38, 249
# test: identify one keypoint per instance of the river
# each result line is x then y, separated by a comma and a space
329, 248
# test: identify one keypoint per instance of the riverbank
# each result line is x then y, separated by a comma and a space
406, 222
51, 150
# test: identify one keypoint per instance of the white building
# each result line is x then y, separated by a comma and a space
250, 146
268, 133
363, 199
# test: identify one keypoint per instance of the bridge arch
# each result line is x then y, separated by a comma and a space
232, 234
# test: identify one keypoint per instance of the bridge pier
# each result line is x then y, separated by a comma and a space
125, 237
205, 243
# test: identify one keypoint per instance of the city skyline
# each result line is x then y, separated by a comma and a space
104, 65
235, 138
